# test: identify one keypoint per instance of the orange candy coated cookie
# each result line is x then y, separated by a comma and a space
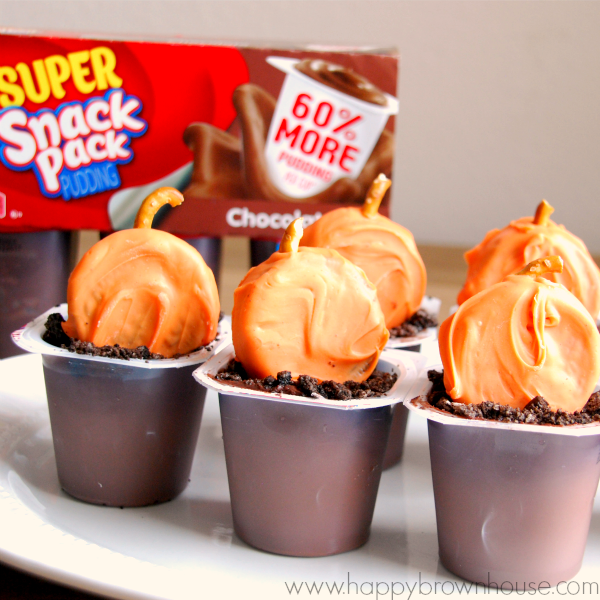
143, 287
520, 338
310, 312
384, 250
505, 251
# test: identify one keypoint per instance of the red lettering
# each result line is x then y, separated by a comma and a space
283, 130
301, 109
346, 156
322, 121
329, 147
306, 138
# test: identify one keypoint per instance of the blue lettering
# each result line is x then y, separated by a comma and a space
65, 186
91, 180
82, 183
94, 179
113, 175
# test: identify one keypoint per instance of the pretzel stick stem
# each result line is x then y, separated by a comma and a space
150, 206
375, 195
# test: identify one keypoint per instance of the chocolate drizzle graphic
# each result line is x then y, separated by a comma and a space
227, 166
342, 79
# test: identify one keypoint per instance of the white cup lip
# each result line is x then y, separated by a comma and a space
405, 364
287, 66
419, 405
29, 338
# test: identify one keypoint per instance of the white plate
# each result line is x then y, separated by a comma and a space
186, 549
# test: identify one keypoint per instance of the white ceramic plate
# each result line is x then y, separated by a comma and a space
186, 549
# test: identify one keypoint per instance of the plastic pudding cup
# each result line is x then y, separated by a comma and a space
210, 249
304, 472
261, 250
513, 502
395, 447
124, 432
34, 271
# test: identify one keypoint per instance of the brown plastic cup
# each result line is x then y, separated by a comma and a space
303, 473
124, 432
303, 480
260, 250
34, 271
123, 436
513, 502
395, 445
210, 249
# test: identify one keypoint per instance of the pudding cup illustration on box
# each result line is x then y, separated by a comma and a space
326, 124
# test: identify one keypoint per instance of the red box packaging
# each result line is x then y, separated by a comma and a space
254, 137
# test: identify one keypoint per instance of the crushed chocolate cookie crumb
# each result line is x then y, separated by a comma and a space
54, 333
593, 404
55, 336
116, 351
378, 384
536, 412
284, 377
413, 325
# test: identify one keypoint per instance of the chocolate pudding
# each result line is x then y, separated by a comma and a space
343, 80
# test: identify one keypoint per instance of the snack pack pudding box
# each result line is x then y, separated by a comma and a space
254, 137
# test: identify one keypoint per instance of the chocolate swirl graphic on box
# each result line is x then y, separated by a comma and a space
343, 80
250, 166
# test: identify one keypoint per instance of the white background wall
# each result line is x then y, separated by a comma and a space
500, 101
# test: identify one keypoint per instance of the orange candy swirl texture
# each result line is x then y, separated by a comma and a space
143, 287
309, 312
518, 339
505, 251
384, 250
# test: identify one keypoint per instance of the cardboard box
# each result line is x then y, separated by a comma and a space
254, 137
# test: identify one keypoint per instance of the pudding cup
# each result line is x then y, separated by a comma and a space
513, 502
34, 271
395, 447
304, 472
124, 431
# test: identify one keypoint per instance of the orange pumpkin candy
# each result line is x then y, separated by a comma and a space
308, 311
384, 250
144, 287
520, 338
505, 251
